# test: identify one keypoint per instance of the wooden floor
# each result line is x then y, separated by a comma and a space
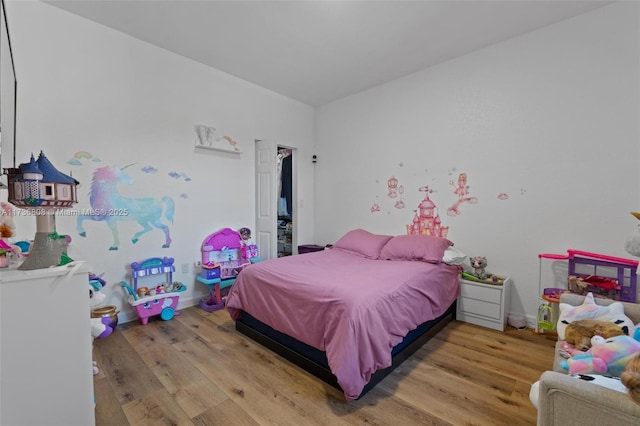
196, 369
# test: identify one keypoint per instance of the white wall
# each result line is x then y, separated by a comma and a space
549, 118
85, 87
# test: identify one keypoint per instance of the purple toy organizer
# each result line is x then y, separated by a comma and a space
165, 300
586, 264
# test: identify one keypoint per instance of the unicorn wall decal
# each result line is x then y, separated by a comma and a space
109, 206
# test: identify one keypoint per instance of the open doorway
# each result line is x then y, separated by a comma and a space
285, 201
276, 199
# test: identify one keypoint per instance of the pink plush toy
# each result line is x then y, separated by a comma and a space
608, 356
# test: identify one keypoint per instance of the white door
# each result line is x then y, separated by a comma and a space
266, 207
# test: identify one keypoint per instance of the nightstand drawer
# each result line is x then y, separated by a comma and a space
485, 293
479, 307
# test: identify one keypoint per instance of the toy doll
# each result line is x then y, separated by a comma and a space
249, 250
245, 234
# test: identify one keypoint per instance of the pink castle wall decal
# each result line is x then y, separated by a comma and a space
426, 220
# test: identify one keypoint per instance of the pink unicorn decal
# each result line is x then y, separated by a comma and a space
109, 206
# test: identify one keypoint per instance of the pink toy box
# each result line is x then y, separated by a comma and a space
159, 298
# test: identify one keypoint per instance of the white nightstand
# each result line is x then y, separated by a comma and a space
484, 304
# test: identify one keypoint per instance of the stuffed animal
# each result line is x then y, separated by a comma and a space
579, 333
8, 228
632, 243
96, 297
100, 327
608, 356
577, 285
479, 263
591, 310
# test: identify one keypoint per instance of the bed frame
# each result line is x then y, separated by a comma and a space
315, 362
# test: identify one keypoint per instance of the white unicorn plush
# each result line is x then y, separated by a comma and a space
632, 244
100, 327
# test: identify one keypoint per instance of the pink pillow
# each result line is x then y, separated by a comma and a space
415, 247
362, 242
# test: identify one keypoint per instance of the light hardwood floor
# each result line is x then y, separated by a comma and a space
196, 369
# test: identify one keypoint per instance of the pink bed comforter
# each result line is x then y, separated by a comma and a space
354, 309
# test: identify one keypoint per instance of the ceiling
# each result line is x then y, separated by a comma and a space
323, 50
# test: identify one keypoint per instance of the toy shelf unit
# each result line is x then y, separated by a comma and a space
161, 298
605, 276
224, 255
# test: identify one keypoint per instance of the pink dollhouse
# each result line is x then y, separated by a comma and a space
224, 254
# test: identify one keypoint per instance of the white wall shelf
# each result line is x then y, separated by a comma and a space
219, 149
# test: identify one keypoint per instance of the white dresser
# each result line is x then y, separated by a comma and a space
484, 304
45, 347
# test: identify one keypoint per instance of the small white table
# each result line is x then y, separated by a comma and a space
482, 304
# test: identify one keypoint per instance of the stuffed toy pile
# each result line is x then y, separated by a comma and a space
596, 339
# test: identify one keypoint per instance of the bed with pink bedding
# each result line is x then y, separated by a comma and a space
353, 304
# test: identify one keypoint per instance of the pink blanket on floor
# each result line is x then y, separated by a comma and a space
354, 309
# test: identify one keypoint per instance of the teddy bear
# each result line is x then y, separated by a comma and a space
606, 356
579, 333
479, 263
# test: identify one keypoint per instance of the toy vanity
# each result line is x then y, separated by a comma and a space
224, 254
156, 298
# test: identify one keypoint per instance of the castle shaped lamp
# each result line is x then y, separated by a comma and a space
38, 186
